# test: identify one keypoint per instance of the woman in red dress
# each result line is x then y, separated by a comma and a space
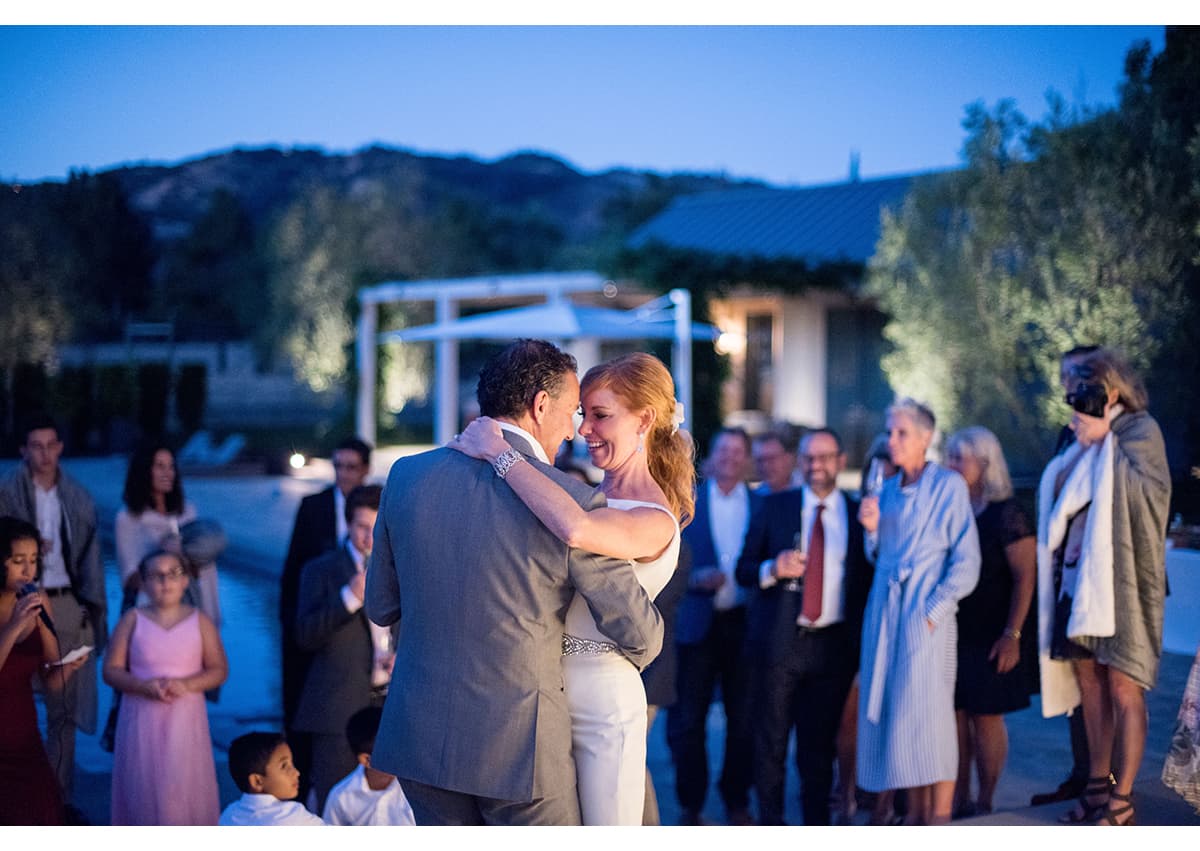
29, 792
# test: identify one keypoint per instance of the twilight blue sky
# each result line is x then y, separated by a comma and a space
785, 104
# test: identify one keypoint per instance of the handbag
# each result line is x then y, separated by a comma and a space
203, 542
1181, 768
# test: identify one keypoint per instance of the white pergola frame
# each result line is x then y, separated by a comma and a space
446, 295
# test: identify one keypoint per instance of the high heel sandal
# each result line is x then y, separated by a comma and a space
1087, 812
1110, 815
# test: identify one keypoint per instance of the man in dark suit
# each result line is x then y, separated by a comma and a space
709, 634
352, 657
804, 556
320, 527
775, 462
659, 676
476, 724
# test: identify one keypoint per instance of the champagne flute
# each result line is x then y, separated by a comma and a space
874, 483
798, 546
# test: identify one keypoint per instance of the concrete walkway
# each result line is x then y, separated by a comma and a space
257, 513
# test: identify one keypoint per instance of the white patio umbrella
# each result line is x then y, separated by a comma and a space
665, 318
560, 320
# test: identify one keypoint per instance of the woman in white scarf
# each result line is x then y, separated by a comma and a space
1102, 514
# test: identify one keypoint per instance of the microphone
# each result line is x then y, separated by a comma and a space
29, 588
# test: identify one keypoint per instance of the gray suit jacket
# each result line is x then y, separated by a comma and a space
80, 541
476, 702
339, 682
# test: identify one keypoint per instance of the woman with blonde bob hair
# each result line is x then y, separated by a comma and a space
996, 647
923, 530
1102, 519
631, 425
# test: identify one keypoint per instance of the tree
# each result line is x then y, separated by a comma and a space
112, 251
1053, 234
1160, 103
214, 279
33, 267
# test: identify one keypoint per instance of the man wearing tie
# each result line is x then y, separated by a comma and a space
804, 554
320, 527
352, 657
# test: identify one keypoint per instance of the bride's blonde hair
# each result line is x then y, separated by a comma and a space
642, 381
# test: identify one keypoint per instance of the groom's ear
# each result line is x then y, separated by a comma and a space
541, 402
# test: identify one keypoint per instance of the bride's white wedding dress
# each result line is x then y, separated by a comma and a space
607, 702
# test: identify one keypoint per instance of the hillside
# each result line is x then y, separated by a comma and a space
270, 244
265, 181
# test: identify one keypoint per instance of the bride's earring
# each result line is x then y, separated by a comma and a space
641, 442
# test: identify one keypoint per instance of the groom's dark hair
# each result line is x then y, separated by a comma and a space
511, 379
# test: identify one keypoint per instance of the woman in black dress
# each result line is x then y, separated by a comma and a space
997, 654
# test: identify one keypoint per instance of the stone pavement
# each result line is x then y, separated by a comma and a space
257, 513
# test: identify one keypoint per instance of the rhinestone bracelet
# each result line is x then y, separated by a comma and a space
505, 461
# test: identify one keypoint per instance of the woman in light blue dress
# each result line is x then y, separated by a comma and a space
923, 530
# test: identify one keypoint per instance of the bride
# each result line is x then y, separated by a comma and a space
631, 425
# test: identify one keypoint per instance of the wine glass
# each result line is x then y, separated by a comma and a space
798, 545
874, 481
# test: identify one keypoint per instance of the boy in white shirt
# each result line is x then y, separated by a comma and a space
261, 765
367, 796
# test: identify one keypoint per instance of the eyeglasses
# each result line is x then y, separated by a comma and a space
164, 575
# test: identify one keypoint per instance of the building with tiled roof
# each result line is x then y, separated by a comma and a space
819, 224
810, 355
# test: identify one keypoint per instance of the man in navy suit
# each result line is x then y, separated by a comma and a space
775, 462
352, 657
320, 527
804, 556
709, 633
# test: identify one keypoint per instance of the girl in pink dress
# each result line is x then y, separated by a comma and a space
162, 658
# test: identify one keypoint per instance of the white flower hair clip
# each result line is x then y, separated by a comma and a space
677, 417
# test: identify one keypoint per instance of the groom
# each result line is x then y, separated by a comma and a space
475, 724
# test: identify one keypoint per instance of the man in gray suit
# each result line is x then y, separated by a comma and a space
476, 724
40, 491
351, 657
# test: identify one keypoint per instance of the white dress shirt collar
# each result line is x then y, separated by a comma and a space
538, 451
358, 558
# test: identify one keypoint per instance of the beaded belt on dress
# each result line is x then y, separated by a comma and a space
572, 645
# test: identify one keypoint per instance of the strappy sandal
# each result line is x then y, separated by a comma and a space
1087, 812
1110, 815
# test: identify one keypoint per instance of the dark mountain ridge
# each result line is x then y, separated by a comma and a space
172, 198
